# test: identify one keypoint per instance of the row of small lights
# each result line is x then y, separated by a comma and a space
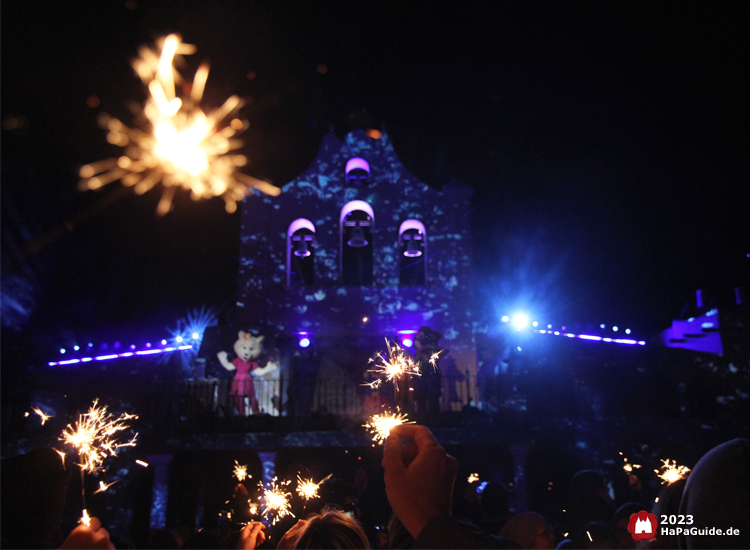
521, 321
134, 351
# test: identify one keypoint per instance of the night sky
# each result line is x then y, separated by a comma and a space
606, 143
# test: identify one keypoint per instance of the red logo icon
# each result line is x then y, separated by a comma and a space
642, 526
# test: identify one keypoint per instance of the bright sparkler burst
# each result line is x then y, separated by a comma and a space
177, 144
380, 425
240, 471
85, 518
94, 436
307, 488
276, 500
671, 472
472, 478
395, 365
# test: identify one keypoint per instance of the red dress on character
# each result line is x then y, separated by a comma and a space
242, 385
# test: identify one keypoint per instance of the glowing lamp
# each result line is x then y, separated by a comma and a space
62, 350
163, 342
408, 342
304, 339
179, 339
196, 336
627, 331
76, 348
505, 319
615, 329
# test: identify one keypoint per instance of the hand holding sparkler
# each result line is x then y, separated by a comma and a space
85, 536
419, 476
252, 536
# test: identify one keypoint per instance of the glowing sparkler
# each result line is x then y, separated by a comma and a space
380, 425
62, 457
671, 472
94, 436
395, 365
629, 467
178, 144
104, 486
41, 414
253, 508
433, 360
307, 488
240, 471
473, 478
85, 519
276, 500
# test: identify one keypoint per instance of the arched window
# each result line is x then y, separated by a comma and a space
357, 172
412, 241
300, 253
356, 224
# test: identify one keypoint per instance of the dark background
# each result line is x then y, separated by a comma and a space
606, 144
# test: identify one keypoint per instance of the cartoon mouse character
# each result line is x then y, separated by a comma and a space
248, 348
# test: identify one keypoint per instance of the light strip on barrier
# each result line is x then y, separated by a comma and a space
625, 341
118, 355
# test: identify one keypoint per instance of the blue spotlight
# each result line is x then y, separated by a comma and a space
196, 336
179, 339
62, 350
76, 348
505, 319
615, 329
520, 320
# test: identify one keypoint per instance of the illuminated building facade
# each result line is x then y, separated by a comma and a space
354, 250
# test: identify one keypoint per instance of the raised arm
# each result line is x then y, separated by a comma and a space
222, 355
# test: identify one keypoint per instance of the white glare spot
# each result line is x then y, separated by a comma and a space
520, 321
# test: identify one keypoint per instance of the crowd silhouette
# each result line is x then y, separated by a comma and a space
419, 478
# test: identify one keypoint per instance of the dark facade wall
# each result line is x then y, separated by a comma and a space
330, 309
